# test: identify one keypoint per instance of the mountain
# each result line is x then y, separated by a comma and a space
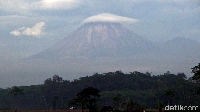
107, 47
181, 46
99, 39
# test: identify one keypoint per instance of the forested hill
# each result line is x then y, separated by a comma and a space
144, 88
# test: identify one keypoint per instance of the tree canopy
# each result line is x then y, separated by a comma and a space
113, 88
196, 71
87, 98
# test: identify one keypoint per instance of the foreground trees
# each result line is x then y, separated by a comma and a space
88, 98
169, 94
196, 77
115, 87
117, 102
16, 92
196, 71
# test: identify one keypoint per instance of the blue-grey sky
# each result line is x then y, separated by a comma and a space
28, 27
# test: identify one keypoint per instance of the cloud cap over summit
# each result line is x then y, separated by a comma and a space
106, 17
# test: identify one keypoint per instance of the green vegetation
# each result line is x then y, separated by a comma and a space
196, 71
87, 99
122, 91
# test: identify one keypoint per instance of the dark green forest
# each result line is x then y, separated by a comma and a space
116, 89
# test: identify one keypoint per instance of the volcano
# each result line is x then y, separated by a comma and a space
99, 39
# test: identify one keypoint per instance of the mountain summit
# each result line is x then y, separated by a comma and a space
98, 39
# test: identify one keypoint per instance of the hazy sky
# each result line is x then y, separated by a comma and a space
30, 26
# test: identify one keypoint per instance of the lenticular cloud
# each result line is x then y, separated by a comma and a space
36, 30
106, 17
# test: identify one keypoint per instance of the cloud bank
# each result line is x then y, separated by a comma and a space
36, 30
106, 17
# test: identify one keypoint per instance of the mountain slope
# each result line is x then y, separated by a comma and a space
99, 40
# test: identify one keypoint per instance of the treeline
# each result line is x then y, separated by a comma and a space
147, 90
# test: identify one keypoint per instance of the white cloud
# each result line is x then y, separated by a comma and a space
106, 17
25, 7
15, 32
58, 4
36, 30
